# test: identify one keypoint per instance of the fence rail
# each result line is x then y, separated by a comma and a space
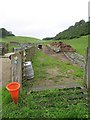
3, 48
18, 59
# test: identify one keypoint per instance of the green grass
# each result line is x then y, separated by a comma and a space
80, 44
42, 63
20, 39
56, 103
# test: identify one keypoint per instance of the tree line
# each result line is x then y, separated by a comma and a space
5, 33
80, 28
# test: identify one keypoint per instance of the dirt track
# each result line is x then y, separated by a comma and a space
59, 56
67, 81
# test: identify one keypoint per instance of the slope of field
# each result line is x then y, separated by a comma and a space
20, 39
79, 29
80, 44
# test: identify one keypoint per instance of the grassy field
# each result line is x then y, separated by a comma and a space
54, 103
20, 39
57, 103
80, 44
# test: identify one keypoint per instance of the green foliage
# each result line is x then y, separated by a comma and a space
5, 33
48, 38
79, 29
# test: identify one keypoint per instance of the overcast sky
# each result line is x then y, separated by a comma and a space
41, 18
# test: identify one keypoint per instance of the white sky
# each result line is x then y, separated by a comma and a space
41, 18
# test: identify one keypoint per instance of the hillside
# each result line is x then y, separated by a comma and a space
80, 28
5, 33
20, 39
80, 44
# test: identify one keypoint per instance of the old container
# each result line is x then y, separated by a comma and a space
29, 72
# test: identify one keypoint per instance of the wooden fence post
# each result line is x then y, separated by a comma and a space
16, 69
17, 64
23, 61
30, 53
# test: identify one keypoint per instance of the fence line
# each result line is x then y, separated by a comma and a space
3, 48
18, 59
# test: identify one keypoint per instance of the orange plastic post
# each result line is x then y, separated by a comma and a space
13, 88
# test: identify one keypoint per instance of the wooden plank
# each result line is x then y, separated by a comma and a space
16, 69
17, 63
